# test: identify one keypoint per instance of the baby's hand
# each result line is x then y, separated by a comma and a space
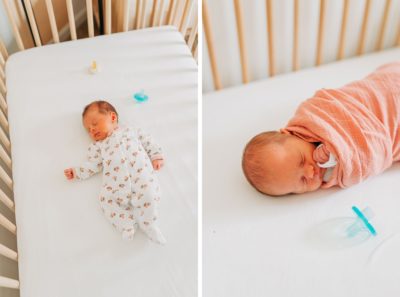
321, 154
69, 173
157, 164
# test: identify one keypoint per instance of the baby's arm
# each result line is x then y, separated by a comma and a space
89, 168
153, 150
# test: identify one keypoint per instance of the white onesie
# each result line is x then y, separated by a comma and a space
130, 190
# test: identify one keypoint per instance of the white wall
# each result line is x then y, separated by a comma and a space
223, 23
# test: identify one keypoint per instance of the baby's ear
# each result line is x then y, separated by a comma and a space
113, 116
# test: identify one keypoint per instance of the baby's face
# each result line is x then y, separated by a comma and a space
294, 169
99, 125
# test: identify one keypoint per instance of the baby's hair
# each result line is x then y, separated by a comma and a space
103, 107
253, 169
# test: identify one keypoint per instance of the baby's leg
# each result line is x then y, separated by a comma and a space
145, 211
120, 216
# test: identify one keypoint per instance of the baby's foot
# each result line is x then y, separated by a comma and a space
155, 235
128, 234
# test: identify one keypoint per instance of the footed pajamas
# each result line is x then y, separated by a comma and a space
130, 189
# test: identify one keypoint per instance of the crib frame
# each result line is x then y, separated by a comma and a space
179, 13
207, 25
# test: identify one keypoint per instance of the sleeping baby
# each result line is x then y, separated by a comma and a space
127, 157
339, 137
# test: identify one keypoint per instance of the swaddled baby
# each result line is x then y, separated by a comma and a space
339, 137
127, 157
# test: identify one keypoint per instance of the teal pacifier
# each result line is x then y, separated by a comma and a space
141, 96
362, 223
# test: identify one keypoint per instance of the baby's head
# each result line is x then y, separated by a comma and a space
100, 119
277, 163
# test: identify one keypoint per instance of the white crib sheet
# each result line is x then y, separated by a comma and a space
66, 246
260, 246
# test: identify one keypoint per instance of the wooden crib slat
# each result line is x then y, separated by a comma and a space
320, 40
195, 53
184, 20
242, 42
381, 35
138, 13
6, 282
9, 253
160, 14
126, 16
342, 37
210, 46
136, 20
5, 157
363, 32
2, 60
3, 87
32, 22
398, 37
3, 103
6, 200
71, 19
89, 13
3, 121
52, 19
175, 14
295, 53
142, 23
4, 139
6, 223
14, 26
171, 10
153, 13
108, 17
270, 30
193, 34
3, 50
6, 178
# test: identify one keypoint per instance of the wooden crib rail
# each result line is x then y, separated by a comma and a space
271, 38
179, 13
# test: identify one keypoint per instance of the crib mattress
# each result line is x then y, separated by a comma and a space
66, 246
290, 246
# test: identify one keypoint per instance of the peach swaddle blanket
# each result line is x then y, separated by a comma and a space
358, 123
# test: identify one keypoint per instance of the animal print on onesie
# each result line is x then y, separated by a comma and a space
130, 190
